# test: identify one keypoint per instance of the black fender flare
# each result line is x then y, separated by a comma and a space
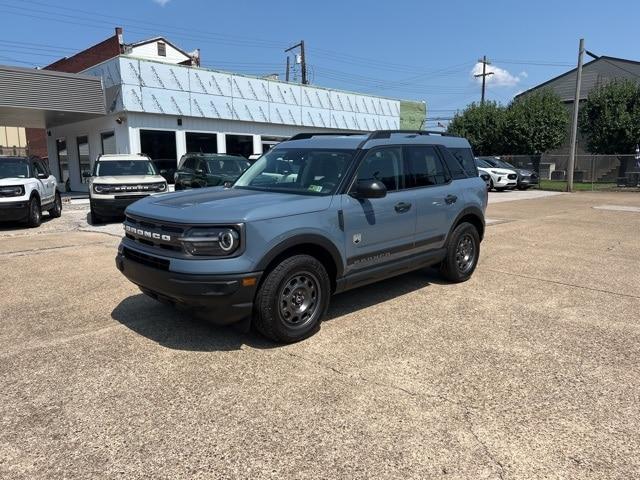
304, 239
468, 211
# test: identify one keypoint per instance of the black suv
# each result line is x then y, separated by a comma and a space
197, 170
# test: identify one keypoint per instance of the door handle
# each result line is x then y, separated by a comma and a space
402, 207
449, 199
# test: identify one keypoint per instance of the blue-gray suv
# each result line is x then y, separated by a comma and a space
317, 215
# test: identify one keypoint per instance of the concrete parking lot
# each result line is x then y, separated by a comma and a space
529, 370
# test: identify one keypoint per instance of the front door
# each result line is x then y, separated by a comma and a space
46, 182
378, 230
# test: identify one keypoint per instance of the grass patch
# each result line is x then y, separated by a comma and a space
561, 186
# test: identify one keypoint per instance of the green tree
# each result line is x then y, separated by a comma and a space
536, 123
483, 125
610, 119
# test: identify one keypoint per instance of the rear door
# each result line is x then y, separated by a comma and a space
379, 229
431, 185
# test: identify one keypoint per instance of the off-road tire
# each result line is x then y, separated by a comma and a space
450, 267
272, 297
56, 211
34, 215
95, 218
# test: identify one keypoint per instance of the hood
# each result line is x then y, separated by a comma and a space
12, 181
496, 170
128, 179
222, 205
524, 172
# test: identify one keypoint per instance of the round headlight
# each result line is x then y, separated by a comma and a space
100, 188
228, 240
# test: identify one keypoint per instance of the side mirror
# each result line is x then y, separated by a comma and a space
369, 189
86, 174
227, 184
42, 176
199, 171
163, 172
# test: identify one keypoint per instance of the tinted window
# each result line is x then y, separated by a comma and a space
225, 166
38, 168
124, 167
14, 168
454, 166
465, 157
189, 163
384, 164
425, 167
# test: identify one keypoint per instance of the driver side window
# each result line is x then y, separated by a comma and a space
38, 169
385, 165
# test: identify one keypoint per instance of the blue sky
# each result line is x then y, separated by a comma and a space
404, 49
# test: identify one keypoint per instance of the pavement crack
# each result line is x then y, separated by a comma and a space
485, 448
566, 284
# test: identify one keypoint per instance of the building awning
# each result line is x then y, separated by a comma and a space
44, 98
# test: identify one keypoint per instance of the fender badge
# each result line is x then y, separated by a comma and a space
357, 238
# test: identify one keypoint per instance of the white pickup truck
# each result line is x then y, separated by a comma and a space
27, 188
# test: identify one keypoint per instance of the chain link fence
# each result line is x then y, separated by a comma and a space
591, 172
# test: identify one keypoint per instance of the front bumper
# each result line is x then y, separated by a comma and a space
113, 207
527, 181
222, 299
13, 211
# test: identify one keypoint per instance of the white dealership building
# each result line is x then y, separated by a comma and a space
160, 102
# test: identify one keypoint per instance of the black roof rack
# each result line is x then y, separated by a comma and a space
388, 133
304, 136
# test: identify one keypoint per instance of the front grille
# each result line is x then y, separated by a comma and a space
154, 234
128, 197
512, 176
146, 260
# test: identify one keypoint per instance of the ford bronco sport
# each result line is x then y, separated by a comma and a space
118, 180
317, 215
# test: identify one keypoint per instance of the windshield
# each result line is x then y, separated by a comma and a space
14, 168
504, 164
117, 168
482, 163
227, 166
301, 171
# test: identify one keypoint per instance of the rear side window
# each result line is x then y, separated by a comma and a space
425, 167
189, 163
466, 159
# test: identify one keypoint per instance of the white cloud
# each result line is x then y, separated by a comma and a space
162, 3
500, 77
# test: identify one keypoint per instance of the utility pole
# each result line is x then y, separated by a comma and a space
287, 70
574, 123
484, 76
303, 61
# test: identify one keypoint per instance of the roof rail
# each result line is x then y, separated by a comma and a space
388, 133
305, 135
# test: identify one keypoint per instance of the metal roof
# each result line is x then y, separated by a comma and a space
45, 98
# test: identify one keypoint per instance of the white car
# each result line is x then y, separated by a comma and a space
118, 180
501, 178
26, 189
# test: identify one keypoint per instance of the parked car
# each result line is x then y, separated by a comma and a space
526, 178
501, 178
197, 170
27, 188
118, 180
314, 216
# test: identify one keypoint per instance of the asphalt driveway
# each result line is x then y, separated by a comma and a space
529, 370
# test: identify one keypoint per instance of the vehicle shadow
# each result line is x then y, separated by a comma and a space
14, 226
178, 329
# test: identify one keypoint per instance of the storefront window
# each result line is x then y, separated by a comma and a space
63, 162
160, 145
202, 142
108, 142
83, 157
240, 144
